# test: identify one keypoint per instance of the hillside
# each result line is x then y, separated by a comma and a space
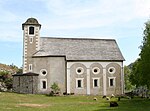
12, 69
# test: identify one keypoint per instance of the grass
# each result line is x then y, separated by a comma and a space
29, 102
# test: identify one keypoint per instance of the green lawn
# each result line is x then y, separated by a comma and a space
27, 102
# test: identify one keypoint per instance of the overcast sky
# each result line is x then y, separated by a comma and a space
122, 20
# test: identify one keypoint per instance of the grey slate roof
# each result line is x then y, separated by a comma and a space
80, 49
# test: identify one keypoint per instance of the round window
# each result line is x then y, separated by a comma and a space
96, 70
111, 70
43, 72
79, 70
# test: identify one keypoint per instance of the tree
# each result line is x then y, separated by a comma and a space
136, 77
127, 72
140, 73
144, 62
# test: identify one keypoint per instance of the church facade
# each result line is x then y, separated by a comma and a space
77, 65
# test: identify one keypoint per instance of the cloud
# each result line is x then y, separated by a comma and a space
96, 13
71, 15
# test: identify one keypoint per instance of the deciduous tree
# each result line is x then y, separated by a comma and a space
127, 73
145, 56
136, 76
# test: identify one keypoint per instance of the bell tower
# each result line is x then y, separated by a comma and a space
31, 42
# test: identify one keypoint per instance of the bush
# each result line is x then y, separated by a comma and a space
6, 80
55, 89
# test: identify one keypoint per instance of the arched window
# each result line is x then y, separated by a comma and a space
31, 30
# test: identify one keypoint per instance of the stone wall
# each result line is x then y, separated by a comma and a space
25, 84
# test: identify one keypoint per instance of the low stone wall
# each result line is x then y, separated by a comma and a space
25, 83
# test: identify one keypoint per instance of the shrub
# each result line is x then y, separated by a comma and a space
5, 80
55, 89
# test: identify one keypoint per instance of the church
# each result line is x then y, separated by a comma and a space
78, 65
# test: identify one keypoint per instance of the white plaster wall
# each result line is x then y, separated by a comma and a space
104, 83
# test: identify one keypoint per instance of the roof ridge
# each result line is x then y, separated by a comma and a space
78, 38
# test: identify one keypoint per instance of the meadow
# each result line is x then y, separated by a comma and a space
29, 102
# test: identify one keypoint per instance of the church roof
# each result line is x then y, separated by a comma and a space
80, 49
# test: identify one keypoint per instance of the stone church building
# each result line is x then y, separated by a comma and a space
77, 65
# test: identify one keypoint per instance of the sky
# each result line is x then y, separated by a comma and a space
122, 20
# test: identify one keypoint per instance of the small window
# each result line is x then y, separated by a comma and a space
31, 39
43, 72
43, 84
31, 30
112, 82
111, 70
96, 70
95, 82
30, 67
79, 70
79, 83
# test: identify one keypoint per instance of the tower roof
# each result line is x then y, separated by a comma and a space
31, 21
